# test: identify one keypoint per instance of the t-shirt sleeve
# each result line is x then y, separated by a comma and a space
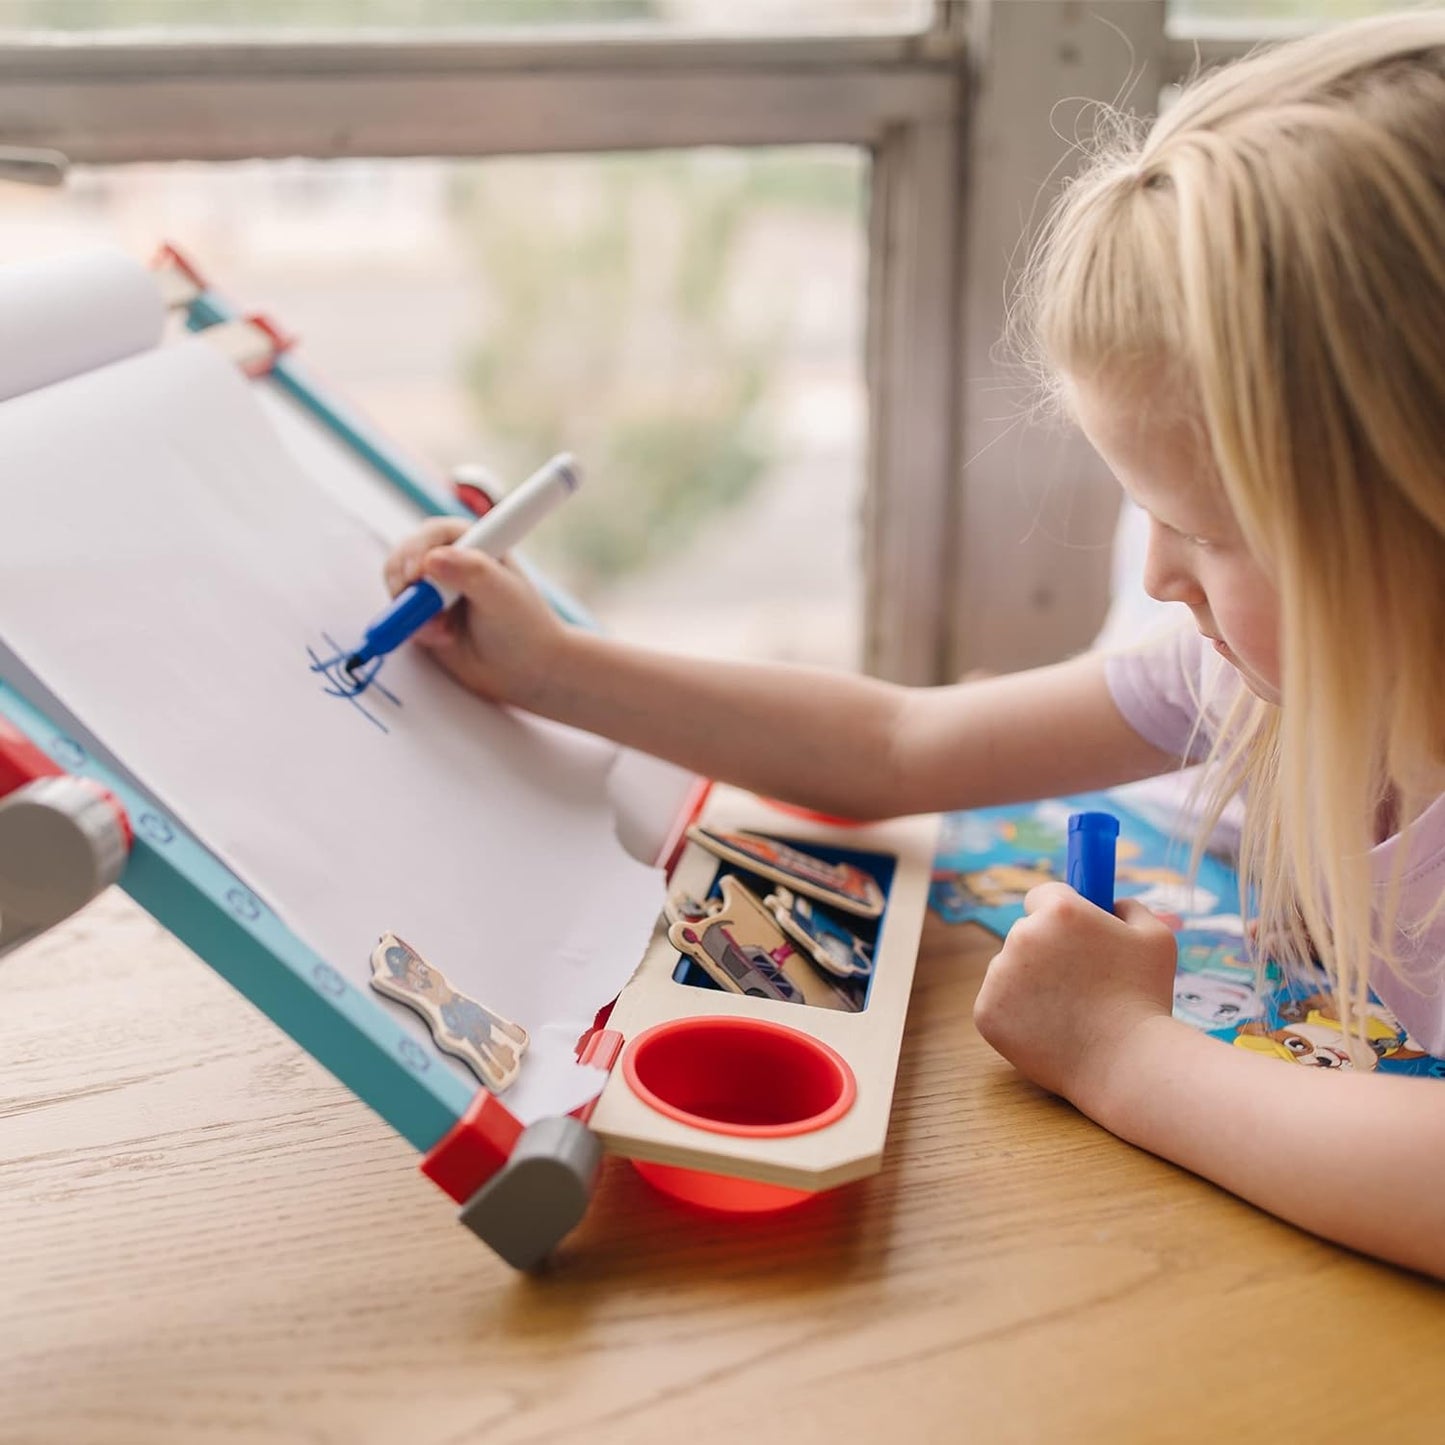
1158, 686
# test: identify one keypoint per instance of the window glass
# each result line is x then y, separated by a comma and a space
674, 16
1183, 12
688, 323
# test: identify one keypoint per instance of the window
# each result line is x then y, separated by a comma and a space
876, 109
1241, 15
689, 323
678, 17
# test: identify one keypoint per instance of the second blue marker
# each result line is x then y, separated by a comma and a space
1092, 837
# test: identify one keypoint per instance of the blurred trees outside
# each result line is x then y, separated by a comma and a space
615, 329
1243, 12
295, 14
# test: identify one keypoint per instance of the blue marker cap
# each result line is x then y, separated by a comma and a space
1091, 857
417, 605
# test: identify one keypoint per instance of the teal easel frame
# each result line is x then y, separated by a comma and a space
191, 894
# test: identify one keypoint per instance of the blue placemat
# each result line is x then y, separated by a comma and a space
988, 859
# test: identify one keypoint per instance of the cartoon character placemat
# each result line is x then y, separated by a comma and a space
989, 859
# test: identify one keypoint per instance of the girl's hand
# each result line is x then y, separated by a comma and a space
1071, 985
501, 639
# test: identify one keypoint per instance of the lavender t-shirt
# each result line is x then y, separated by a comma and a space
1164, 686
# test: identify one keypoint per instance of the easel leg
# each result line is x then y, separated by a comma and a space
541, 1194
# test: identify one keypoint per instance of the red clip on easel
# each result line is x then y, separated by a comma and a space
63, 840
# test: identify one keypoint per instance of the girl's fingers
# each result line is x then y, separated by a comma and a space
434, 633
1042, 894
468, 573
1137, 915
403, 567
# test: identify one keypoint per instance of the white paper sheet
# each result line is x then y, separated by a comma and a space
164, 567
73, 313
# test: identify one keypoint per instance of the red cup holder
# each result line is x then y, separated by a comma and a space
739, 1076
744, 1077
720, 1193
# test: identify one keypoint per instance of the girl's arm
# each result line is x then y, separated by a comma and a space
1079, 1000
832, 741
1358, 1158
853, 745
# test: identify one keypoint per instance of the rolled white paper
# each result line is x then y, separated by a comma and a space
74, 313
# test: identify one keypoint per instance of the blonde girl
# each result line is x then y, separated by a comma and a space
1245, 311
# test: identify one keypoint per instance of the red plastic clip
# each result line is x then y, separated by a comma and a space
601, 1050
475, 499
474, 1148
21, 761
676, 840
281, 343
170, 256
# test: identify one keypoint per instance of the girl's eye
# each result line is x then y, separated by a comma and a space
1190, 539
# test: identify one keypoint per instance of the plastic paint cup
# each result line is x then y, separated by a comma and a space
741, 1077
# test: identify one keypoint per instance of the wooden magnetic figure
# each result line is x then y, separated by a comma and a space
831, 946
739, 944
841, 884
488, 1044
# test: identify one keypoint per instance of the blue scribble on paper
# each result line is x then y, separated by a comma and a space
341, 682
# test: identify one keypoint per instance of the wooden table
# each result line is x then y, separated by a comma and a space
206, 1239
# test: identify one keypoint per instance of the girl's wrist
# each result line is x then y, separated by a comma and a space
550, 688
1117, 1093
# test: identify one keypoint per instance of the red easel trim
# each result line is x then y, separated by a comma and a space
474, 1148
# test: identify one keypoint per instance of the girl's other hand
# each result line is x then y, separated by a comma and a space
501, 639
1071, 985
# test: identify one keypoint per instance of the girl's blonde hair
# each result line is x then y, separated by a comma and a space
1273, 252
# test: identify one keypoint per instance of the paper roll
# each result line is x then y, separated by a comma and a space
71, 314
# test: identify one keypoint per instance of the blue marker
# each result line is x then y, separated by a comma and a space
1091, 857
496, 532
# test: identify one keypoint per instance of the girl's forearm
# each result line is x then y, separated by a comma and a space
1356, 1158
847, 744
820, 739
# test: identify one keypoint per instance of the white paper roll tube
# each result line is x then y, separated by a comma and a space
73, 313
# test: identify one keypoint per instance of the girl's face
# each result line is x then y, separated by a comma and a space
1197, 554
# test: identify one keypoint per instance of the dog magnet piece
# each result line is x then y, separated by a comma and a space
488, 1044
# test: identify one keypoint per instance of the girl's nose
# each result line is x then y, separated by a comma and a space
1168, 576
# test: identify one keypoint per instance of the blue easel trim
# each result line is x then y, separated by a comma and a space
191, 894
375, 450
209, 310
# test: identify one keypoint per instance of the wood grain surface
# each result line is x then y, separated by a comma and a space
206, 1239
